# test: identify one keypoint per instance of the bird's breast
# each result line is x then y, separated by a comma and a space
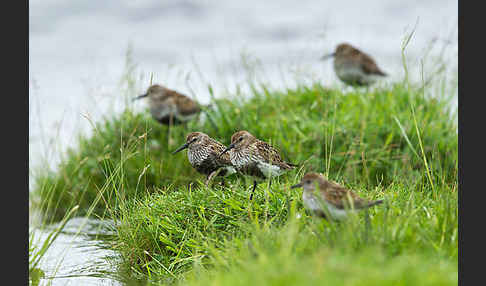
352, 72
162, 110
239, 159
196, 157
311, 202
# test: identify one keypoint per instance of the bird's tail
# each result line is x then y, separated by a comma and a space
206, 106
292, 165
374, 203
381, 73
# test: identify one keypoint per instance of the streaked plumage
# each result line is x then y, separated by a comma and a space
353, 66
203, 154
168, 106
255, 158
320, 193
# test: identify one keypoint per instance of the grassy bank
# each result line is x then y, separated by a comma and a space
364, 138
312, 253
391, 143
172, 233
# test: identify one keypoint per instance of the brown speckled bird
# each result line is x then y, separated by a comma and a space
170, 107
203, 154
320, 193
255, 158
354, 67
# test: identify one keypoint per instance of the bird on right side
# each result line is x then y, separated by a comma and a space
354, 67
320, 193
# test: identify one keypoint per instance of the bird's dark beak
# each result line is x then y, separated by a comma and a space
325, 57
181, 148
231, 146
296, 186
140, 96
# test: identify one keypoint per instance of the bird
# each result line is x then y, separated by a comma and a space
203, 154
170, 107
323, 197
255, 158
353, 66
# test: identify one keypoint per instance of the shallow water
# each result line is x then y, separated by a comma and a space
77, 59
79, 255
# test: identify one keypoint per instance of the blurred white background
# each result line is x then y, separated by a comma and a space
77, 50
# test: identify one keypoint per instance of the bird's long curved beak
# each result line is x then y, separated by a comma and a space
325, 57
231, 146
140, 96
299, 185
181, 148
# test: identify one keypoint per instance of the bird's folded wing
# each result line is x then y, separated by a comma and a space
340, 197
186, 105
369, 65
216, 149
270, 155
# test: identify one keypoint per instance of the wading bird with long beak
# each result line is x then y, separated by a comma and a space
203, 154
354, 67
323, 197
255, 158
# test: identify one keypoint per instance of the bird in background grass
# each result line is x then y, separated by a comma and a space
170, 107
353, 66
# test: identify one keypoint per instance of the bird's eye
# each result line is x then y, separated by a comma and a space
241, 139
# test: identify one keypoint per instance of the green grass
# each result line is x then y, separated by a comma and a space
305, 252
391, 143
167, 234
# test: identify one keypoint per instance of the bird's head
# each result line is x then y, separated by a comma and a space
239, 140
155, 91
193, 140
311, 181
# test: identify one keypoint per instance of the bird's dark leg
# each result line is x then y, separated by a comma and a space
168, 134
254, 187
222, 183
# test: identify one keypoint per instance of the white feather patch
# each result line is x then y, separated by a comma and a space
312, 203
269, 170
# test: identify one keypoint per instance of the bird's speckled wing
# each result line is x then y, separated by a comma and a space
270, 155
185, 105
216, 149
369, 66
337, 195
